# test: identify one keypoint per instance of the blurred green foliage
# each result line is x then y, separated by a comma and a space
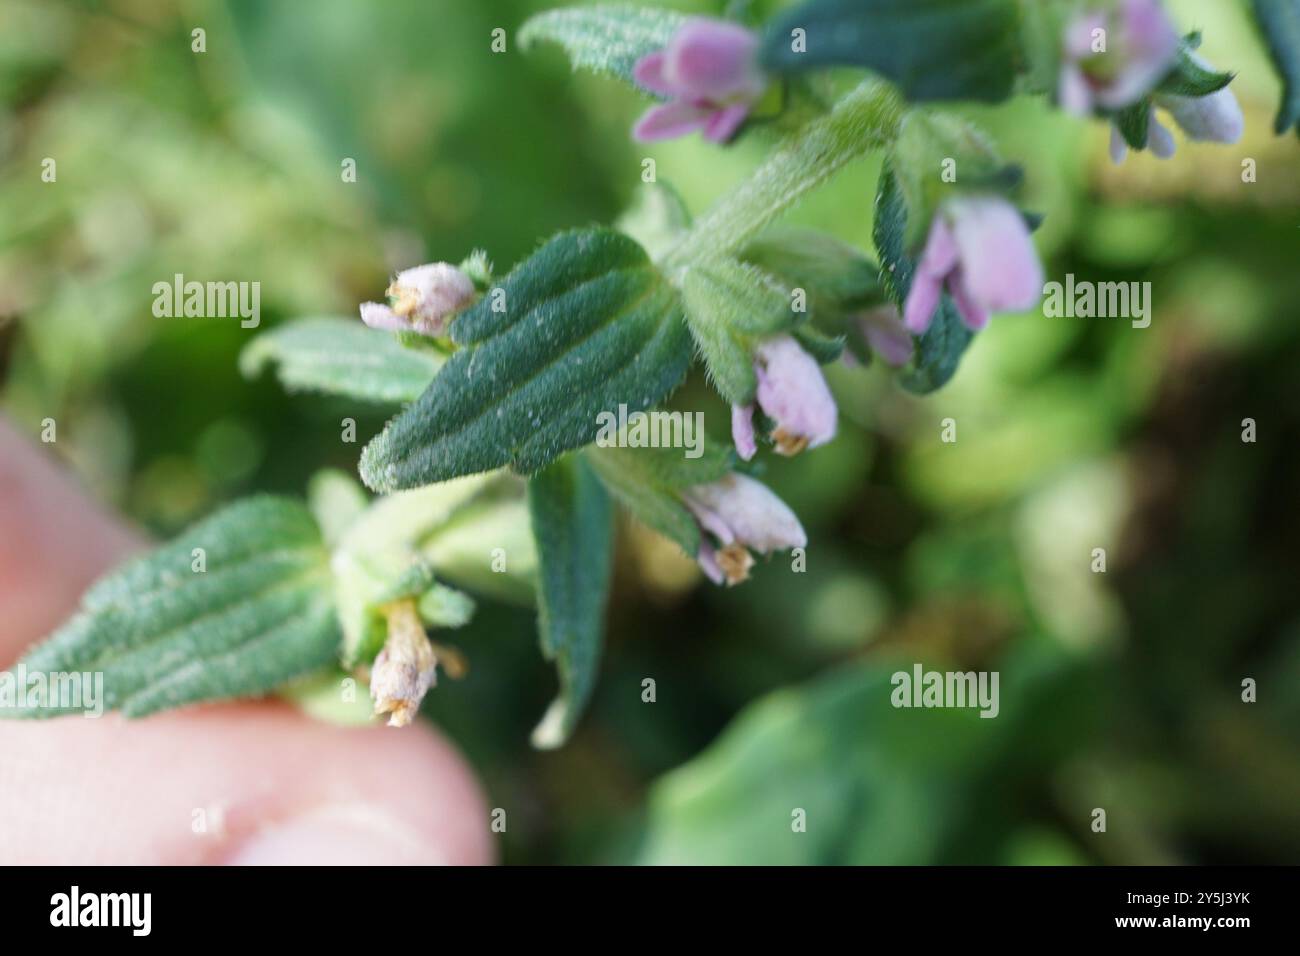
1119, 690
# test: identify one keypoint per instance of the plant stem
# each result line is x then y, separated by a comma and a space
865, 118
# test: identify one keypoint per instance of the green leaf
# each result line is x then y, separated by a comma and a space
583, 325
835, 275
341, 357
1134, 123
647, 481
165, 634
939, 350
657, 219
336, 501
572, 524
932, 49
1190, 76
1279, 24
729, 306
604, 38
836, 750
877, 784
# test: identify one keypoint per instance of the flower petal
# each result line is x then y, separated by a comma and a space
758, 518
714, 59
793, 392
742, 430
670, 120
1159, 140
723, 124
1216, 118
1118, 147
972, 314
886, 335
379, 316
1000, 267
649, 74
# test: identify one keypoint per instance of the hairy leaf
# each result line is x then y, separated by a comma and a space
583, 325
233, 607
342, 357
933, 49
607, 38
572, 524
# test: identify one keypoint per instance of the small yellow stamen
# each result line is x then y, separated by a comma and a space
404, 299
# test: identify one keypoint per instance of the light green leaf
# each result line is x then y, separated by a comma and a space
933, 49
336, 500
1279, 24
572, 524
604, 38
824, 751
341, 357
940, 349
657, 219
730, 305
584, 325
837, 278
164, 633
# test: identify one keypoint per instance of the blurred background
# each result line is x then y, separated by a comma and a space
1119, 690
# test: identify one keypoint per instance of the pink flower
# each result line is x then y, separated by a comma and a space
979, 248
793, 393
886, 335
709, 73
1216, 118
424, 299
1140, 45
740, 514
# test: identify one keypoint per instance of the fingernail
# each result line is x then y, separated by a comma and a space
349, 835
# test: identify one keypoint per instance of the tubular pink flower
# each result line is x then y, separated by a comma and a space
980, 250
1141, 43
740, 515
793, 393
423, 299
709, 74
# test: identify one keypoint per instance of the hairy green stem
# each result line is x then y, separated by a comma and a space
866, 118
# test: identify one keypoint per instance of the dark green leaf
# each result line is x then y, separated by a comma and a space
1134, 122
1279, 23
604, 38
585, 324
165, 634
939, 350
1189, 76
933, 49
572, 524
342, 357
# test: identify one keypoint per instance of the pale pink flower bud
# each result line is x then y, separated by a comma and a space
740, 515
1215, 118
1140, 45
980, 249
793, 393
423, 299
709, 73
